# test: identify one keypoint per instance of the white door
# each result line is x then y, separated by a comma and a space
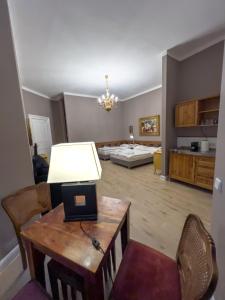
41, 133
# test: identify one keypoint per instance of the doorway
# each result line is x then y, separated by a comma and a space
40, 130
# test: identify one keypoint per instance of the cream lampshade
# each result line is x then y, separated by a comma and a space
76, 167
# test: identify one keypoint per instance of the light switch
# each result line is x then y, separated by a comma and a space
218, 184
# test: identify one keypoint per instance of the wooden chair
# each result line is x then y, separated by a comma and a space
57, 272
23, 205
147, 274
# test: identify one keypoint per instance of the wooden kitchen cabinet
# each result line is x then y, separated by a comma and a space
187, 114
182, 167
198, 112
193, 169
204, 172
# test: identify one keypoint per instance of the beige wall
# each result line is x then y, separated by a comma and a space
144, 105
15, 157
86, 121
218, 222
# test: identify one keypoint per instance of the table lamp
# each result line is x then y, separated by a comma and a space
76, 167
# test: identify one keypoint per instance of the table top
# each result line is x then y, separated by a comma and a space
66, 240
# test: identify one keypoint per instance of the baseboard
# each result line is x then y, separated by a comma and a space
10, 269
162, 177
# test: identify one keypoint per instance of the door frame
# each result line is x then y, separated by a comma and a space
31, 116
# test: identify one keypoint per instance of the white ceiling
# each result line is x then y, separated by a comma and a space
68, 45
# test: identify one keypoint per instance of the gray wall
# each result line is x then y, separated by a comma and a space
40, 106
195, 77
200, 76
144, 105
170, 72
15, 160
218, 222
59, 120
54, 110
86, 121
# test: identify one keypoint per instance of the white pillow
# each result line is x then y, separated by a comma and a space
142, 147
124, 146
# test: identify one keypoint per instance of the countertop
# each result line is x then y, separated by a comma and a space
210, 153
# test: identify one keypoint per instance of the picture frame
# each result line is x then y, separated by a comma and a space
149, 126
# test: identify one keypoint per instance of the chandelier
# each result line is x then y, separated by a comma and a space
107, 100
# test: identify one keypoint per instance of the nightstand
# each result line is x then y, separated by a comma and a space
157, 162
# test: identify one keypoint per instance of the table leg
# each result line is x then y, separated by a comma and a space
36, 263
125, 232
94, 287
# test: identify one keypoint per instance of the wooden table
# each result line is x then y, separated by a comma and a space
67, 244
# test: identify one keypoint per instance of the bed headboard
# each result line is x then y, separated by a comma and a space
110, 144
117, 143
149, 143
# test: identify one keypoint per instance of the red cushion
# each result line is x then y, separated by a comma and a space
32, 291
146, 274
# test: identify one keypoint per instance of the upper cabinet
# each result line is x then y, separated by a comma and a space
186, 114
199, 112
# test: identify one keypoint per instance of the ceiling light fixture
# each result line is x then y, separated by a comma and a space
107, 100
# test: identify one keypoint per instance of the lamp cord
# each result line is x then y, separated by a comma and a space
95, 243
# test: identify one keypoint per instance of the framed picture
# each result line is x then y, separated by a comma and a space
149, 125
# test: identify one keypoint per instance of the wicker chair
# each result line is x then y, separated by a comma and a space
147, 274
196, 261
23, 205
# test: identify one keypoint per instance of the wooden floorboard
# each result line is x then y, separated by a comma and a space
159, 208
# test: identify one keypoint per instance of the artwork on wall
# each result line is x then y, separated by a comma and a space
149, 125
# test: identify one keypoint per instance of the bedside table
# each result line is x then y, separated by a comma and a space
157, 162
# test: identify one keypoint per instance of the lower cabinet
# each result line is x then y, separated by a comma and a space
197, 170
182, 167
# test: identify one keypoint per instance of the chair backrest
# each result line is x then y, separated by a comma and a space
196, 259
26, 203
23, 205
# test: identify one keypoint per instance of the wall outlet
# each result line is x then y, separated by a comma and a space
218, 184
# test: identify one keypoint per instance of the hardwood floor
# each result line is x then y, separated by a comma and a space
158, 211
159, 208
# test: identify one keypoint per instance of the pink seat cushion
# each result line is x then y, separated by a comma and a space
32, 291
146, 274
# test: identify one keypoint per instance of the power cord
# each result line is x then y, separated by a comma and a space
96, 244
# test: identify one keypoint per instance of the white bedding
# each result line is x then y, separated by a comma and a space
128, 152
139, 152
107, 150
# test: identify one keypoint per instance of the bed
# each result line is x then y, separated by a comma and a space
104, 152
133, 157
